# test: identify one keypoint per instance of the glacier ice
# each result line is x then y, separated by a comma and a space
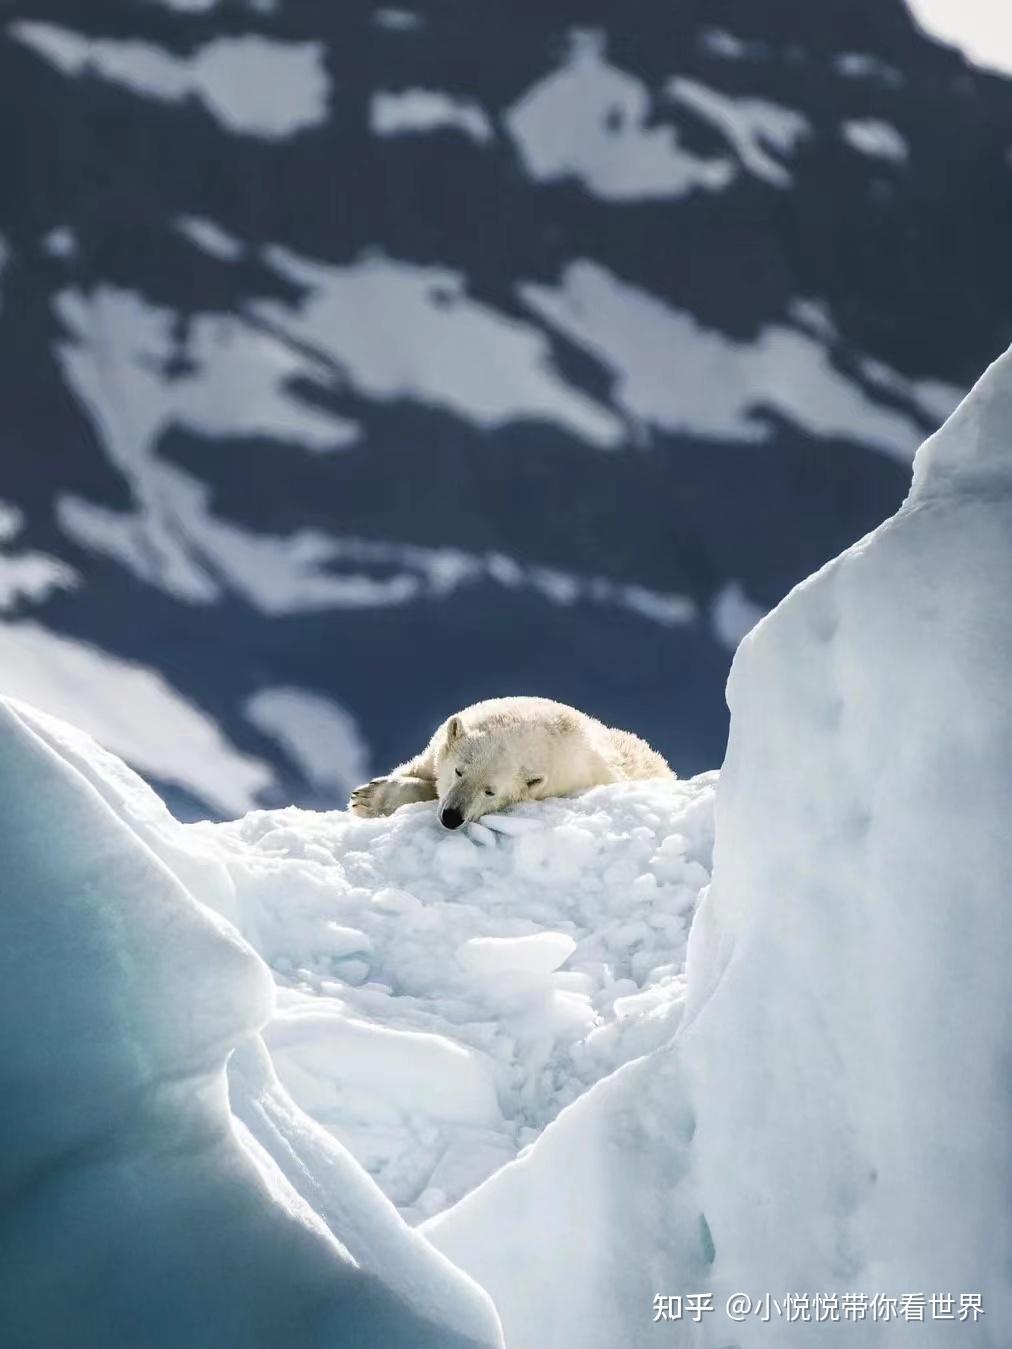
144, 1198
833, 1114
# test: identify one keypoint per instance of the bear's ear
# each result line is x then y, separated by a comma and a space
534, 782
454, 730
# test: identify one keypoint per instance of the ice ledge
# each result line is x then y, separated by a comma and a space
140, 1203
972, 452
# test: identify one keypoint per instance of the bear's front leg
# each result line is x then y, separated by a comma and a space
382, 796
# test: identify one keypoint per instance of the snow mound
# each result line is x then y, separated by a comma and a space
443, 996
146, 1199
832, 1117
540, 953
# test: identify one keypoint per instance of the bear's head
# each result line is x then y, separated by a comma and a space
484, 771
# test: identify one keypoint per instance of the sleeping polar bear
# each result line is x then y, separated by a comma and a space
496, 753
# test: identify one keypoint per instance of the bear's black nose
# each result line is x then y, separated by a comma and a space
451, 818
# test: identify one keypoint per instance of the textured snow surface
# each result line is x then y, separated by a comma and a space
145, 1199
442, 996
833, 1114
437, 999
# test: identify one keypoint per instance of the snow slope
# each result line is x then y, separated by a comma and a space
144, 1200
832, 1117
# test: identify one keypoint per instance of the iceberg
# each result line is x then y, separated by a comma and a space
157, 1186
829, 1127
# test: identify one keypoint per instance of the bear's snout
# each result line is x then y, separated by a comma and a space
450, 817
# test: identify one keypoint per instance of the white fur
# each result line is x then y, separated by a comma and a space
496, 753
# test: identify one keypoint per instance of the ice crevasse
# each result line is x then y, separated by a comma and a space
833, 1116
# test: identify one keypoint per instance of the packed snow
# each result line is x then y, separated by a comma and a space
147, 1199
437, 999
828, 1128
864, 877
443, 996
252, 85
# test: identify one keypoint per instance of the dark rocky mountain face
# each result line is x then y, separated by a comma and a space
362, 362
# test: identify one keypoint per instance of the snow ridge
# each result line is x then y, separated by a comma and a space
126, 1181
832, 1115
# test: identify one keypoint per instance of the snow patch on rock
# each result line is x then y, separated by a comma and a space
590, 121
252, 85
875, 138
422, 111
760, 133
673, 372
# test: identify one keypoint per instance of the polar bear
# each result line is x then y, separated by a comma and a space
505, 750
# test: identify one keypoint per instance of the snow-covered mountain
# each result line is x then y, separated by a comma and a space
359, 362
